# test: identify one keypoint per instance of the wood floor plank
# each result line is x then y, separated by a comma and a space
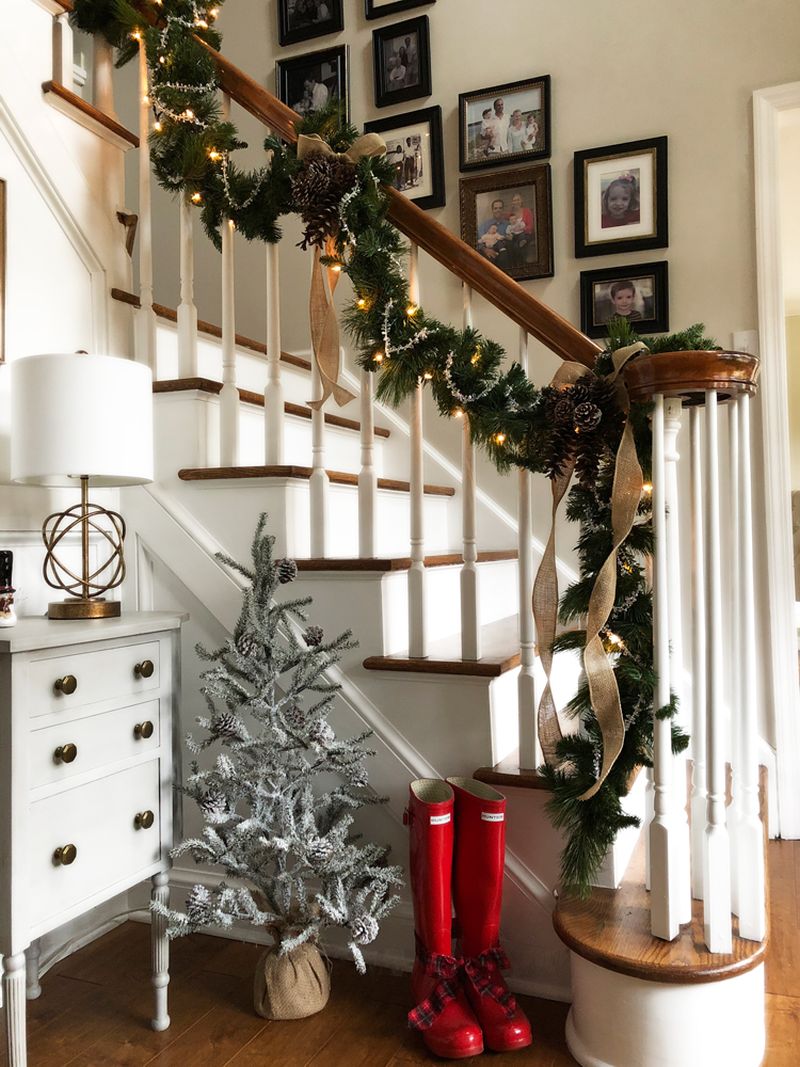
783, 957
783, 1031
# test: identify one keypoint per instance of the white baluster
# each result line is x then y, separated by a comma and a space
187, 312
63, 52
229, 402
273, 393
664, 911
530, 755
717, 879
417, 635
103, 75
159, 952
699, 801
146, 351
731, 642
750, 845
470, 587
367, 476
318, 487
672, 425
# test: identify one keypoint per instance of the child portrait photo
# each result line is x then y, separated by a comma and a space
402, 61
504, 123
638, 294
621, 198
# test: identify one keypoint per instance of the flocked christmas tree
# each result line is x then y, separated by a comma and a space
289, 849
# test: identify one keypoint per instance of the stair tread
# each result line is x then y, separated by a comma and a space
247, 396
205, 474
397, 563
171, 315
509, 773
499, 644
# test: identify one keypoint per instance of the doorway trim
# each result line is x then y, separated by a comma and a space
779, 639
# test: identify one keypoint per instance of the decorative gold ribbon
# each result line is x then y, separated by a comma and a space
625, 495
369, 144
322, 312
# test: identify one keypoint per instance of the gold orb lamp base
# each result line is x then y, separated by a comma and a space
83, 609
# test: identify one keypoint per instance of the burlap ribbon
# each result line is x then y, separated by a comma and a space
322, 312
625, 495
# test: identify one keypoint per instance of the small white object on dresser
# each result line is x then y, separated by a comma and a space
86, 784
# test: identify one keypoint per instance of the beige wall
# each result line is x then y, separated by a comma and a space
793, 393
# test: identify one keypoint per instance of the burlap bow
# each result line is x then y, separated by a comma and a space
625, 495
322, 312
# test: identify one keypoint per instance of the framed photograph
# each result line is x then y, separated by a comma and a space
376, 9
402, 59
300, 20
621, 198
504, 123
414, 145
311, 81
639, 293
508, 218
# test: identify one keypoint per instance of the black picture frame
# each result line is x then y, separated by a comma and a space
432, 175
393, 7
419, 77
291, 29
636, 169
330, 64
650, 306
474, 152
529, 252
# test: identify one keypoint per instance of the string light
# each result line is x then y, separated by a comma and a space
457, 413
362, 304
476, 355
336, 268
145, 99
411, 310
197, 198
378, 357
427, 376
647, 488
213, 13
136, 35
201, 24
157, 126
188, 114
499, 438
214, 155
162, 60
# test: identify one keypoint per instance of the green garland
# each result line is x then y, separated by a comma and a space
517, 424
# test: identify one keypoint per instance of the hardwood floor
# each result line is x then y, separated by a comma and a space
94, 1008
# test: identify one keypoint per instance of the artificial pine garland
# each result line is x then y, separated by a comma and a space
343, 208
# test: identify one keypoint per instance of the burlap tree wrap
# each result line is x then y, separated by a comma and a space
293, 986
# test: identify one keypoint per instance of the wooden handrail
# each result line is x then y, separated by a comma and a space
539, 320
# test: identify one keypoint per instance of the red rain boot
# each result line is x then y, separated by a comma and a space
480, 845
442, 1014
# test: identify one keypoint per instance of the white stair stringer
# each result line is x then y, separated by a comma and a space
173, 536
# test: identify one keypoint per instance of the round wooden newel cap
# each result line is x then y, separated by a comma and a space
689, 375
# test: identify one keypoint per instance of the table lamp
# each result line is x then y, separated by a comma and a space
80, 420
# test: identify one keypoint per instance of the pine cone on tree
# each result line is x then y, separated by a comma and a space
286, 570
313, 636
319, 851
226, 724
318, 189
364, 929
322, 733
246, 644
198, 905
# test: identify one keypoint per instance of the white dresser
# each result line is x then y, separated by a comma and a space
86, 784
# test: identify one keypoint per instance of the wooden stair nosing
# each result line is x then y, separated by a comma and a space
206, 474
209, 328
67, 96
397, 563
468, 668
509, 773
247, 396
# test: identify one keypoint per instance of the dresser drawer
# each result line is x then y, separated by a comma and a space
98, 819
58, 752
59, 683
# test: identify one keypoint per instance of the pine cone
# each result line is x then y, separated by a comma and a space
322, 733
319, 851
295, 718
563, 410
588, 417
318, 189
226, 724
313, 636
246, 644
287, 570
581, 390
198, 905
364, 929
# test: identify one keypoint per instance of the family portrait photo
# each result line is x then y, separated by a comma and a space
312, 81
376, 9
402, 60
638, 294
504, 123
300, 20
414, 147
621, 198
510, 223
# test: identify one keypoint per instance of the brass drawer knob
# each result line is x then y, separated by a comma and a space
144, 669
65, 753
62, 857
67, 685
143, 730
144, 820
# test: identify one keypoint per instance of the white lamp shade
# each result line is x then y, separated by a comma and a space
74, 415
